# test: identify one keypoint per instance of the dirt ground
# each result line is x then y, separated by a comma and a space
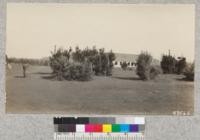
122, 93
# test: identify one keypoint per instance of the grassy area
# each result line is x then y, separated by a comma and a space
122, 93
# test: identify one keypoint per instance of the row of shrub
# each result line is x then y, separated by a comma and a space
169, 65
81, 64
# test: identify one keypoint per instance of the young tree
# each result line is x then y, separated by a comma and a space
78, 55
143, 65
181, 65
24, 68
59, 59
168, 64
144, 69
189, 72
111, 58
124, 65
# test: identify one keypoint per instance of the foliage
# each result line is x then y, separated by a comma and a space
154, 71
42, 62
181, 65
80, 64
78, 71
144, 68
124, 65
171, 65
111, 58
64, 69
189, 72
102, 62
59, 59
168, 64
143, 65
81, 55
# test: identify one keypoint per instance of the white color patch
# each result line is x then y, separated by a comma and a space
80, 128
139, 120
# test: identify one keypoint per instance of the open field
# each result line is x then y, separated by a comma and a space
123, 93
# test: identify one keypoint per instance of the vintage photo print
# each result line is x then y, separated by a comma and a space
100, 58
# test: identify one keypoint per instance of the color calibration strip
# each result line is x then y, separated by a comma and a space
99, 128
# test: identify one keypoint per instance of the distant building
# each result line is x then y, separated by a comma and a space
130, 59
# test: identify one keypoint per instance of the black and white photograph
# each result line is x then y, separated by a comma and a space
125, 59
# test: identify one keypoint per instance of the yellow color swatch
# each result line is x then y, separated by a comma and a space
107, 128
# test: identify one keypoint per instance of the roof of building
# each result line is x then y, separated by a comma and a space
121, 57
126, 57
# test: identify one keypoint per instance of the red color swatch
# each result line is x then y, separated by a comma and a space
93, 128
98, 128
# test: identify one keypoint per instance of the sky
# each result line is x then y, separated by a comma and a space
34, 29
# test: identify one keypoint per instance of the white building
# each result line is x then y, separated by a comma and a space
130, 59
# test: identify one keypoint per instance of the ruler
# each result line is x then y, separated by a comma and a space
98, 136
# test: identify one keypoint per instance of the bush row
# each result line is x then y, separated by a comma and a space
170, 64
81, 64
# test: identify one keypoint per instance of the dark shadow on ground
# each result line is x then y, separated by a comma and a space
42, 73
19, 77
127, 78
46, 75
184, 79
49, 77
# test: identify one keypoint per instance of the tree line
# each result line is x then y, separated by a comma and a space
81, 64
44, 62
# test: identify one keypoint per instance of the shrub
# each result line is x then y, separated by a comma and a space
78, 55
168, 64
101, 61
58, 61
181, 64
124, 65
144, 68
110, 57
154, 72
64, 69
80, 64
78, 71
144, 65
171, 65
189, 72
